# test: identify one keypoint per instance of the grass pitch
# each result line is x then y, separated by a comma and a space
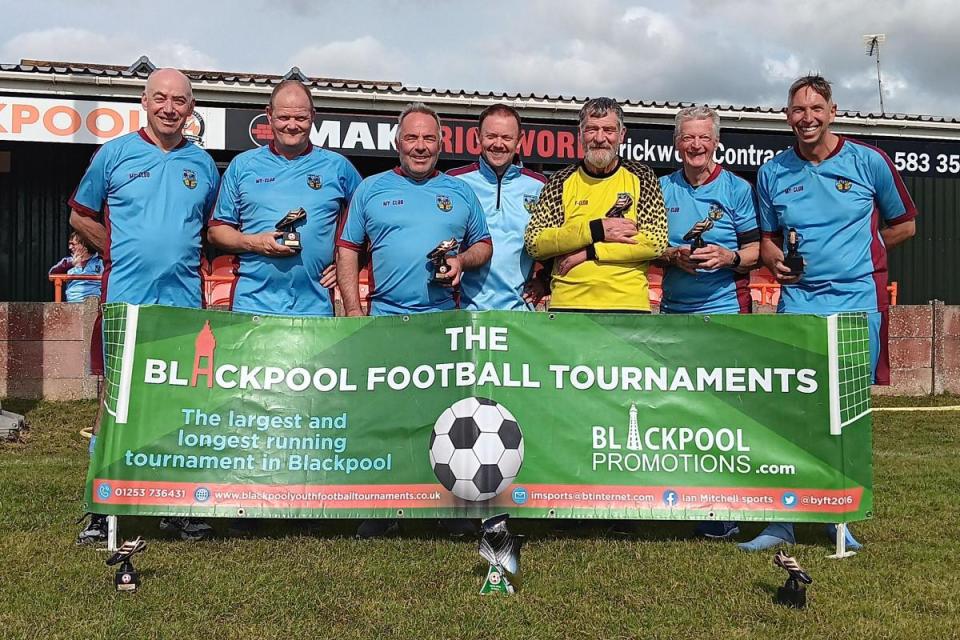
298, 580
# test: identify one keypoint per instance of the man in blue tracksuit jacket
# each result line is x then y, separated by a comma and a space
508, 193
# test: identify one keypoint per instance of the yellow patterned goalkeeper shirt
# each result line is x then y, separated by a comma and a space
614, 276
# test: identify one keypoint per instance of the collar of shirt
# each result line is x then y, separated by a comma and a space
513, 170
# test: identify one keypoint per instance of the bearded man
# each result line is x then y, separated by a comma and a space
602, 220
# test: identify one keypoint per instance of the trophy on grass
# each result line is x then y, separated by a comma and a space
127, 578
287, 225
695, 235
502, 550
620, 207
793, 260
439, 259
792, 593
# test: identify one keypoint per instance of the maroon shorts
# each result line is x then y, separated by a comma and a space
96, 346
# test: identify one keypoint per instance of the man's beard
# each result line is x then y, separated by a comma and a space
598, 158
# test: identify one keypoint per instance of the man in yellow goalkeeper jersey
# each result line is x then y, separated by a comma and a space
602, 220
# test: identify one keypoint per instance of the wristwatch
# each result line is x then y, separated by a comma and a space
736, 260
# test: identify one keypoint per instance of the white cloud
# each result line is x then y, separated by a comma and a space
364, 58
69, 44
741, 52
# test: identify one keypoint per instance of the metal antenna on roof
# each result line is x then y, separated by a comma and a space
295, 74
873, 42
142, 65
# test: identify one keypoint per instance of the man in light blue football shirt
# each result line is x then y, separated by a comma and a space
143, 203
848, 205
714, 278
259, 188
144, 200
401, 215
508, 192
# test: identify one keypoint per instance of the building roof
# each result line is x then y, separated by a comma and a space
142, 68
215, 85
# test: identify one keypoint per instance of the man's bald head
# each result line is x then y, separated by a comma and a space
168, 101
169, 80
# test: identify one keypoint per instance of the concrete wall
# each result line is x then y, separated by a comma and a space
924, 350
45, 350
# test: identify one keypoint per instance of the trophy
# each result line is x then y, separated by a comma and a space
620, 207
793, 260
502, 550
290, 237
792, 593
695, 235
439, 259
127, 578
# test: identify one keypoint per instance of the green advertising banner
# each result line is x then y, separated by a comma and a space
209, 413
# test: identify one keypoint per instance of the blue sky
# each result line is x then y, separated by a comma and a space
740, 52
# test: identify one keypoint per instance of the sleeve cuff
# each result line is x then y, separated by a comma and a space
221, 223
596, 230
905, 217
346, 244
83, 210
748, 236
591, 251
486, 240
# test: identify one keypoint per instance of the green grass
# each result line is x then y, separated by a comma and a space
295, 581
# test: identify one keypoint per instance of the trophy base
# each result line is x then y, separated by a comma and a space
127, 578
290, 239
792, 595
795, 264
496, 582
438, 280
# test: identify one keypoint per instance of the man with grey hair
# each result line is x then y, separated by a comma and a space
401, 217
143, 203
704, 196
601, 220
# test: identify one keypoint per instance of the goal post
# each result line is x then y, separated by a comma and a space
850, 374
119, 340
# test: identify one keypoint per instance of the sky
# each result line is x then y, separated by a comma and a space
728, 52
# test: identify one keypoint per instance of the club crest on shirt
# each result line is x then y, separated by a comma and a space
314, 181
529, 202
444, 204
716, 212
189, 179
844, 185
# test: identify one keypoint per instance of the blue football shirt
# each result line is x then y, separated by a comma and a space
259, 187
836, 207
728, 201
403, 220
154, 206
507, 201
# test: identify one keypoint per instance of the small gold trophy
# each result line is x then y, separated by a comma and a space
620, 207
695, 235
287, 224
439, 259
793, 260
